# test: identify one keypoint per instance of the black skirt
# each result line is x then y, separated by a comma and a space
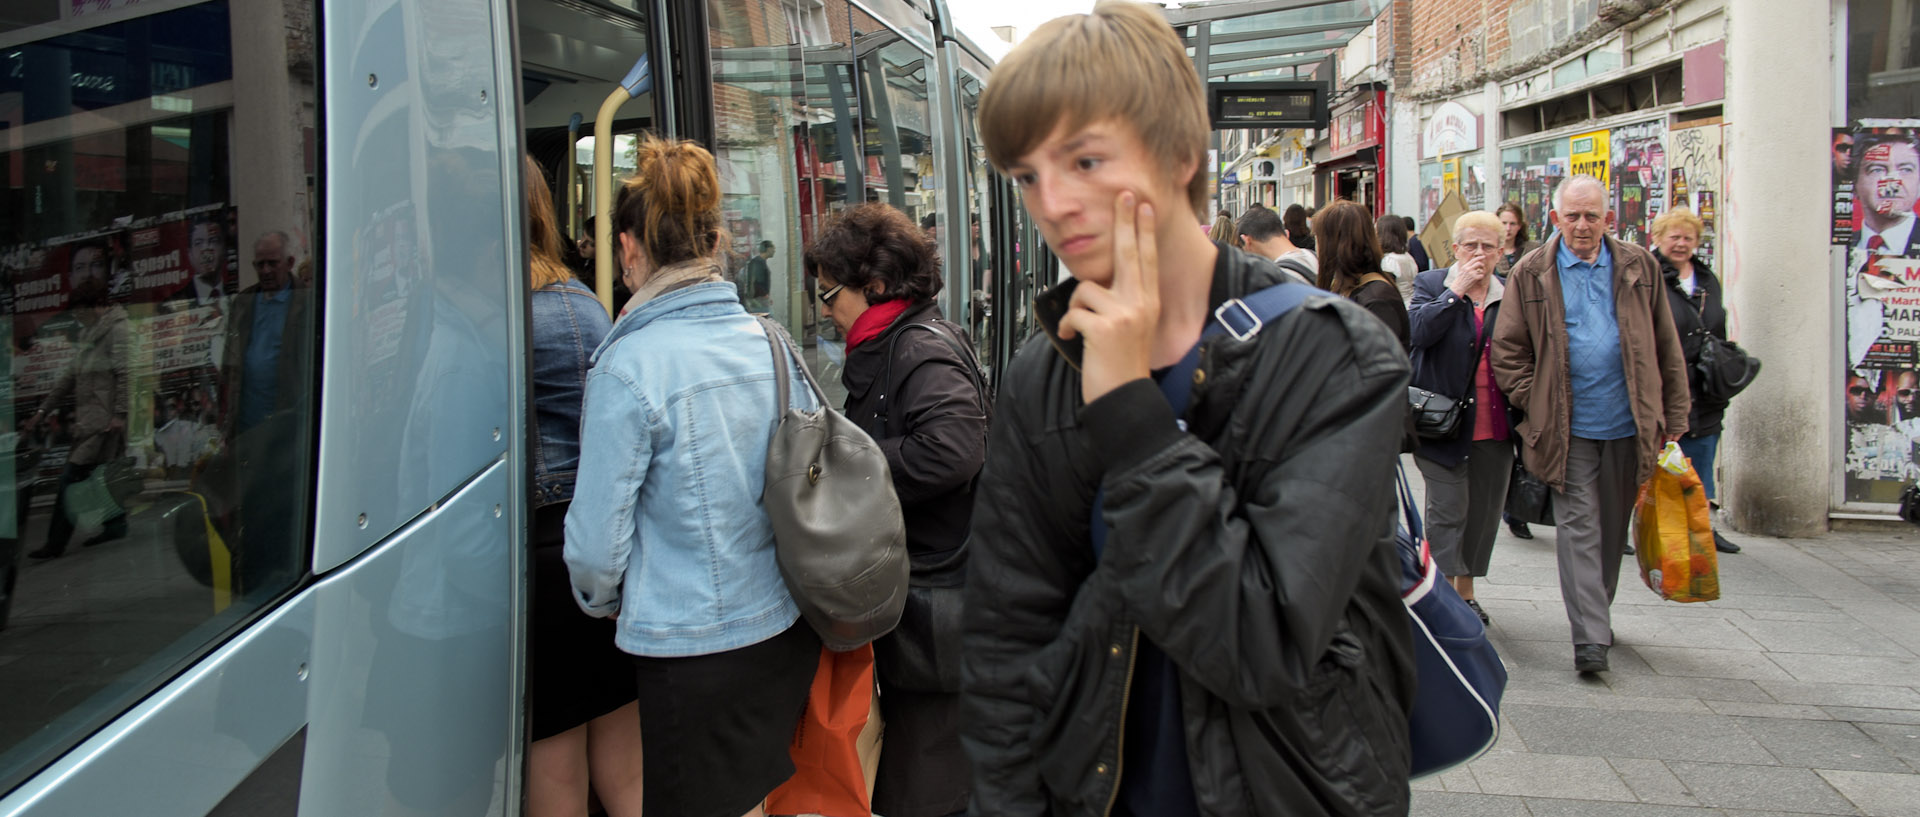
714, 729
574, 672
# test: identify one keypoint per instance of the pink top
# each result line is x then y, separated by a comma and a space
1489, 415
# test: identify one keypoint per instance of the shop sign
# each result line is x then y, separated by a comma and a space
1451, 129
1232, 178
1357, 127
1591, 157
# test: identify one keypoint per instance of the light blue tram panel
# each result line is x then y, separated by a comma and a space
264, 287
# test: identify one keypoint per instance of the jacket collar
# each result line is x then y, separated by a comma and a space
866, 361
712, 294
1625, 269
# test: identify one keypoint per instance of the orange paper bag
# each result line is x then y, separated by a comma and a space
830, 775
1673, 536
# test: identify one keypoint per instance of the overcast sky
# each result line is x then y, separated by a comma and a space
978, 17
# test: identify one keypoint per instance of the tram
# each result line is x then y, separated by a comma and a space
263, 447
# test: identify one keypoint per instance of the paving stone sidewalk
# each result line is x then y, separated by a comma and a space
1796, 693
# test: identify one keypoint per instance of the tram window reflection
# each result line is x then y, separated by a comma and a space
156, 431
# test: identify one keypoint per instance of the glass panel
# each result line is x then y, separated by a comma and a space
157, 431
1362, 11
898, 136
1875, 197
784, 112
1528, 175
980, 224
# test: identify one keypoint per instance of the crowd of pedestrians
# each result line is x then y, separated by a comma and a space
1157, 573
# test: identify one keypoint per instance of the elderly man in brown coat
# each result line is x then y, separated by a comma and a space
1588, 351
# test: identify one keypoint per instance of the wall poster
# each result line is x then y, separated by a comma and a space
1875, 193
1693, 154
1639, 168
1591, 156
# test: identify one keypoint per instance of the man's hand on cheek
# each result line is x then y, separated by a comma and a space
1117, 321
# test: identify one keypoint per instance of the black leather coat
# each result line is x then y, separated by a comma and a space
1703, 312
1256, 551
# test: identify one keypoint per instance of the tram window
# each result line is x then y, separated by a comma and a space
156, 433
978, 265
897, 136
784, 108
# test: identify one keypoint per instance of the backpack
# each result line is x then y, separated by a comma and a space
1455, 716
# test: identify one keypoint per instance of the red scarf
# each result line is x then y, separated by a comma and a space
873, 322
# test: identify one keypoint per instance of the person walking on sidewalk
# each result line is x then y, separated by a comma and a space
1698, 310
1589, 355
1453, 315
1168, 614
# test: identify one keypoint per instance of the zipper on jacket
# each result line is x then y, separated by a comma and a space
1120, 759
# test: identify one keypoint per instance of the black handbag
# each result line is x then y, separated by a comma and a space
1723, 368
1910, 504
1435, 416
1529, 498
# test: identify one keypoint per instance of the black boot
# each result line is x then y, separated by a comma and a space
1519, 529
1721, 544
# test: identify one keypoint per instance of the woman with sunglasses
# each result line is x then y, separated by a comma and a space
666, 532
914, 385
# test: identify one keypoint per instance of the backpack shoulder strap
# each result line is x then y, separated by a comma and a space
1245, 316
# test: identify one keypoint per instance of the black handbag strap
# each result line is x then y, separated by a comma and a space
971, 362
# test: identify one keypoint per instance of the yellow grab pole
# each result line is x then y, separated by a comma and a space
637, 82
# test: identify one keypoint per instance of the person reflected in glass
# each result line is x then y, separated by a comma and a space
666, 532
914, 386
95, 380
1452, 320
584, 722
1699, 309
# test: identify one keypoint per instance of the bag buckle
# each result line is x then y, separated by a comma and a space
1222, 315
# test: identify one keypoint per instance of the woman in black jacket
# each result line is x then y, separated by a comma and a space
1452, 320
1698, 310
914, 386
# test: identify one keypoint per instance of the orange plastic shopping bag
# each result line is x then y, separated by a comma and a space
1673, 533
833, 747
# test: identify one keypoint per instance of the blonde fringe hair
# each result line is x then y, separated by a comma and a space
1121, 63
1677, 217
1479, 219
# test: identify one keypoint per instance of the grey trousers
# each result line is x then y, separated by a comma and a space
1463, 506
1590, 531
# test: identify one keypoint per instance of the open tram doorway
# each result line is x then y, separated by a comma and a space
572, 55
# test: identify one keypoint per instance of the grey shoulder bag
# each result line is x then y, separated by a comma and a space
837, 529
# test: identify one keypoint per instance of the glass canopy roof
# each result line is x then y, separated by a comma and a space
1248, 38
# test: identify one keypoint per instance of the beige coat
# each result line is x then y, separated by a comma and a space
1530, 358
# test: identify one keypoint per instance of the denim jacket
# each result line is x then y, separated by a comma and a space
568, 324
666, 530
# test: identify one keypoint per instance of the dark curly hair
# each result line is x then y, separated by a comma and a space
876, 243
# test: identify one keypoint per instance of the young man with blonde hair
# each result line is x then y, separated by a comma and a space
1175, 613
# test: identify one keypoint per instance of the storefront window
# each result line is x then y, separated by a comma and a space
1876, 164
1528, 175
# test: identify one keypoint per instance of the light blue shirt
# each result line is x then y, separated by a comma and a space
262, 375
1602, 409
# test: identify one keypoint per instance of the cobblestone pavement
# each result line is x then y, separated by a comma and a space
1798, 692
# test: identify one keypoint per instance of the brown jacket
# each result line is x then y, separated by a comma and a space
1530, 357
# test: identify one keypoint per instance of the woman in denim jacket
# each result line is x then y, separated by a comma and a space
667, 533
580, 694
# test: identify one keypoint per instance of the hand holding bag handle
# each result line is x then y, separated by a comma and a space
837, 530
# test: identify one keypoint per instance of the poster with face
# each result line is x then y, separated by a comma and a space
1876, 187
1639, 176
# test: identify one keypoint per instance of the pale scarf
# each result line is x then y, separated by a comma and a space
672, 277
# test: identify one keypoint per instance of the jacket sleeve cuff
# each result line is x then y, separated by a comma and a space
1128, 425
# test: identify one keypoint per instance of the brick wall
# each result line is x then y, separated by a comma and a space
1456, 41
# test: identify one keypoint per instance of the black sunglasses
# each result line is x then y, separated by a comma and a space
826, 298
